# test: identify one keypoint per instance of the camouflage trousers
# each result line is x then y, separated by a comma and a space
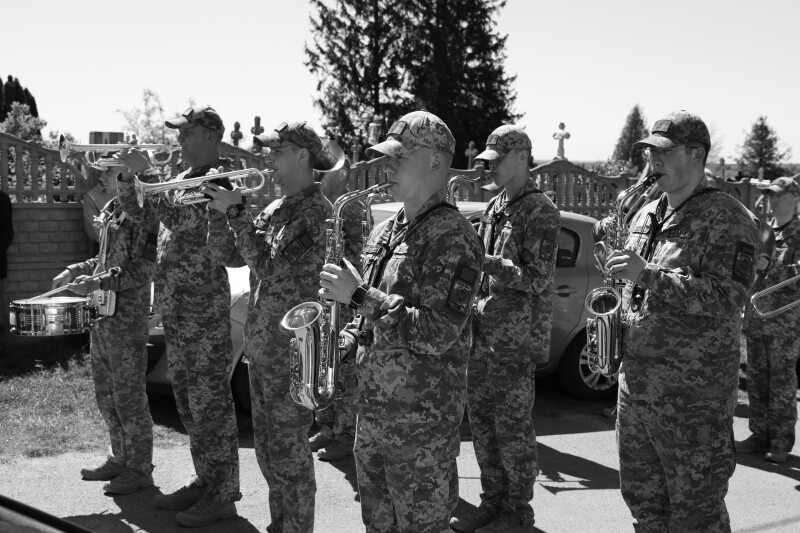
119, 364
407, 475
199, 363
674, 465
340, 417
772, 386
280, 429
500, 399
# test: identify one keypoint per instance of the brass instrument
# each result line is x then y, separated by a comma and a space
454, 182
755, 300
766, 236
315, 358
104, 301
604, 330
368, 222
148, 189
95, 151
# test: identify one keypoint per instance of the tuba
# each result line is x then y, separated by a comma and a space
604, 330
315, 358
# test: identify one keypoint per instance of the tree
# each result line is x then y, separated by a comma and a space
760, 150
2, 100
31, 101
375, 59
455, 61
634, 130
147, 122
21, 123
356, 54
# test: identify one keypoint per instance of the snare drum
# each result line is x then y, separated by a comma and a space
56, 315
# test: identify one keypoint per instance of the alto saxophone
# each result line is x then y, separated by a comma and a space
604, 330
456, 181
314, 357
104, 301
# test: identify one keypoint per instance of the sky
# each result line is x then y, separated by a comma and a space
582, 62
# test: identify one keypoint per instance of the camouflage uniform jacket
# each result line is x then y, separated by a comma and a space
132, 247
190, 277
787, 256
521, 239
682, 346
418, 313
285, 250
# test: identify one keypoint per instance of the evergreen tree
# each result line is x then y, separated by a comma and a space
377, 59
760, 150
356, 51
22, 124
2, 101
31, 101
455, 60
634, 130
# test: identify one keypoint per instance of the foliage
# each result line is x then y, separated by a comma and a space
21, 123
377, 60
357, 53
15, 92
455, 61
614, 167
147, 122
760, 150
633, 130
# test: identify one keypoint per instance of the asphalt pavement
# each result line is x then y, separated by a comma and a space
577, 490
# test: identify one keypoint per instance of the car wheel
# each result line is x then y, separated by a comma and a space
240, 385
576, 378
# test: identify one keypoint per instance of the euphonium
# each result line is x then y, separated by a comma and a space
604, 330
315, 358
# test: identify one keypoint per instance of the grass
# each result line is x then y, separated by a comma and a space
50, 411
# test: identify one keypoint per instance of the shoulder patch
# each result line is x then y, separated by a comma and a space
744, 263
462, 289
299, 246
548, 246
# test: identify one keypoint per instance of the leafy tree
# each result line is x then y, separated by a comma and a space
455, 60
760, 150
147, 122
634, 130
356, 54
21, 123
375, 59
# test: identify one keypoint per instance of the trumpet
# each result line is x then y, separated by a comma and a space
755, 300
195, 197
94, 152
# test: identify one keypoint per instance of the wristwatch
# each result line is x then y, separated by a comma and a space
234, 210
358, 296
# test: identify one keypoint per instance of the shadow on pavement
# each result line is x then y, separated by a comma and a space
137, 513
346, 466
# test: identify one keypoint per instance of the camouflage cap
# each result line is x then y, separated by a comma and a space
781, 185
676, 129
297, 133
413, 131
199, 115
503, 140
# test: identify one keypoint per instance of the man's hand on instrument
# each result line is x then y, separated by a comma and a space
625, 264
62, 279
133, 158
84, 285
338, 283
222, 198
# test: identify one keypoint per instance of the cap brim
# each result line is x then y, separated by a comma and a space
488, 155
658, 141
176, 122
491, 187
390, 147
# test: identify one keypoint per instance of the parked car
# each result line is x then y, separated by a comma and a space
156, 377
576, 275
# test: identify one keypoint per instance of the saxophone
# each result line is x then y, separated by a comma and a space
454, 182
314, 356
604, 330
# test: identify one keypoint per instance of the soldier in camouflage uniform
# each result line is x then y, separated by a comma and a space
772, 343
421, 273
519, 228
192, 293
119, 346
689, 262
285, 249
338, 421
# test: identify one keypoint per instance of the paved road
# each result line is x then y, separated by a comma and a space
576, 492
